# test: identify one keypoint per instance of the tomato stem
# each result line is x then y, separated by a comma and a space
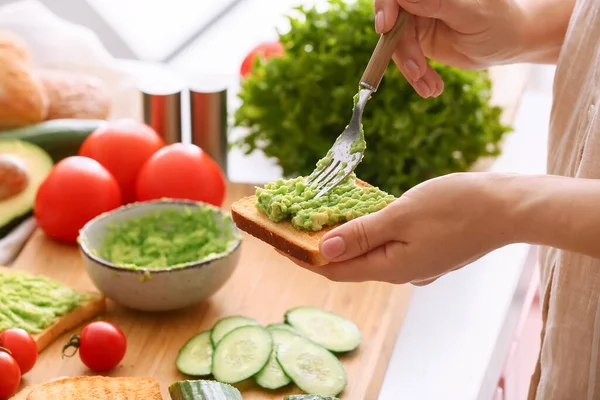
5, 350
74, 341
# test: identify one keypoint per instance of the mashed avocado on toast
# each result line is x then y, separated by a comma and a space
32, 302
293, 199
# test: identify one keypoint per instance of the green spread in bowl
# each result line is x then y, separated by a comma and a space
169, 238
33, 302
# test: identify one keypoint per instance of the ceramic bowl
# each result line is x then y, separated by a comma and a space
154, 289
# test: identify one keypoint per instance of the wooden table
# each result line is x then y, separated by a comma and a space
263, 287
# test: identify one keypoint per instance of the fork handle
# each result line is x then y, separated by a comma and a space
382, 54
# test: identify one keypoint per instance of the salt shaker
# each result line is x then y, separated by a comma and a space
208, 114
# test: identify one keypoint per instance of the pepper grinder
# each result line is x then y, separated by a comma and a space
208, 114
161, 92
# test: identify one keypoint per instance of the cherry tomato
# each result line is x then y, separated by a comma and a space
10, 375
265, 50
76, 190
122, 146
101, 345
22, 347
181, 171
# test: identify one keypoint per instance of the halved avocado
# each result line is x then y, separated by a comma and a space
36, 164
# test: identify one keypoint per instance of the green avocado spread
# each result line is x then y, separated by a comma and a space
33, 302
294, 199
169, 238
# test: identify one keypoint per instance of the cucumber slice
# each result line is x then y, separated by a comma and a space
308, 397
223, 326
280, 325
330, 330
313, 368
195, 356
242, 353
282, 336
272, 376
203, 390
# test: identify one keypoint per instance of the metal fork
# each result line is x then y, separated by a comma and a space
343, 161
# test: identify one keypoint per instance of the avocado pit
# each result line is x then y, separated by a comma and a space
13, 176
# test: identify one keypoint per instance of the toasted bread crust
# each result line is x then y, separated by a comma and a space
23, 393
96, 387
301, 245
84, 312
295, 247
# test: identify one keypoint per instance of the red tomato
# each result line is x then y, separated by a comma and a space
122, 147
181, 171
265, 50
101, 345
75, 191
10, 375
22, 347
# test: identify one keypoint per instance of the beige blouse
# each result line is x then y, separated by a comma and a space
569, 363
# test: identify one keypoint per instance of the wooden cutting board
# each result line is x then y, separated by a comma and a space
263, 287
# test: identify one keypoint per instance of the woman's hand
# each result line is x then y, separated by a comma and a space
436, 227
468, 34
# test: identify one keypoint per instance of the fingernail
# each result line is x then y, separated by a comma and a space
379, 21
423, 88
439, 89
412, 69
334, 247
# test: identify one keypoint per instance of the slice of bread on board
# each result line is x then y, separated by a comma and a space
94, 387
301, 245
86, 311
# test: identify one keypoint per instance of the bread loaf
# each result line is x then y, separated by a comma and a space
75, 95
23, 100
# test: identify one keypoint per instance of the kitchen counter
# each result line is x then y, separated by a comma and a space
458, 332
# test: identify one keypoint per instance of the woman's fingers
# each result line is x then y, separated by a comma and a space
434, 81
386, 12
411, 61
409, 56
382, 264
377, 265
361, 235
424, 282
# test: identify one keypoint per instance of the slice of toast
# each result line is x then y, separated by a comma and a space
301, 245
86, 311
23, 393
97, 388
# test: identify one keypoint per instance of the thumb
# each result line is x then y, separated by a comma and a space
358, 236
